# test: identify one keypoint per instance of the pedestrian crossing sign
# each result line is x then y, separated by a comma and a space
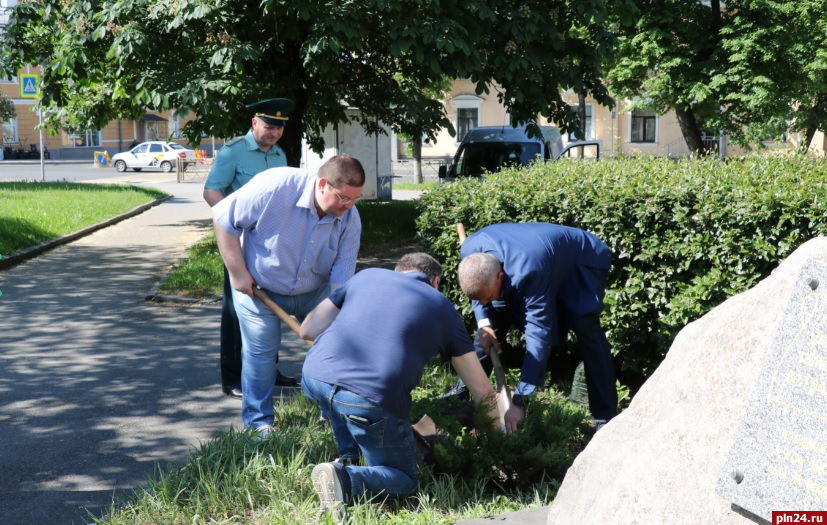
29, 87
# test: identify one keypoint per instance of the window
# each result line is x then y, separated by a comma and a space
156, 148
10, 131
643, 126
475, 158
176, 127
467, 118
468, 114
589, 125
156, 131
82, 139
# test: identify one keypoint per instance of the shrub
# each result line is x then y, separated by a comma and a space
474, 448
685, 235
554, 432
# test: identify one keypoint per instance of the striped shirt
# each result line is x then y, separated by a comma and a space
287, 248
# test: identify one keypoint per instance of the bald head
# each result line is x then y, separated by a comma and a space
478, 274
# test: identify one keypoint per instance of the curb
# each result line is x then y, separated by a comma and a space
155, 297
29, 253
152, 296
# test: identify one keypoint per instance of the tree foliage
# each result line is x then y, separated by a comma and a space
749, 68
7, 111
666, 60
775, 78
107, 59
437, 92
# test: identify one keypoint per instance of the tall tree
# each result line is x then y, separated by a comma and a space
7, 111
436, 92
666, 60
750, 68
775, 78
106, 59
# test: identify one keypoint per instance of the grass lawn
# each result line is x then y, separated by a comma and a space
425, 186
34, 212
236, 479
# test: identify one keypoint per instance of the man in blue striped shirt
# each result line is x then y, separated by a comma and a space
294, 234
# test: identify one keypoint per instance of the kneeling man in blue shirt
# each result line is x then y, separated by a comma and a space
373, 337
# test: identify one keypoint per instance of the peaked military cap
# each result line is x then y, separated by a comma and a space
273, 111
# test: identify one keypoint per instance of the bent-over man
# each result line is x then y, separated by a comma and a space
544, 279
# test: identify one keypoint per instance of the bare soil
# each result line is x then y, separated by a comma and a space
385, 255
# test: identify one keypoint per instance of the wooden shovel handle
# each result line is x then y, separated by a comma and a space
504, 398
288, 319
461, 233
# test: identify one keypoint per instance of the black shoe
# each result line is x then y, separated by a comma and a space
459, 390
232, 391
283, 380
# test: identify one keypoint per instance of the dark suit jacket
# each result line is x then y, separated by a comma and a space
553, 274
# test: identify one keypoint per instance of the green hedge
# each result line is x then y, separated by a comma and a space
685, 235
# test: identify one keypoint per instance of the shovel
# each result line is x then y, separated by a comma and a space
288, 319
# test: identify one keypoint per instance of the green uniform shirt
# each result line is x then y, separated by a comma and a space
239, 161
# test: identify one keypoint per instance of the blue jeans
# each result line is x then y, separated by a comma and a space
362, 428
261, 338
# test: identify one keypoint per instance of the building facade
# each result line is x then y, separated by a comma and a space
620, 131
22, 138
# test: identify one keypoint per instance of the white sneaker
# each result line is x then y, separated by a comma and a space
262, 433
332, 484
598, 424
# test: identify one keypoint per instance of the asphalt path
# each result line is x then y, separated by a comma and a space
100, 388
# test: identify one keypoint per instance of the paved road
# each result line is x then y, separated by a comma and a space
76, 171
71, 172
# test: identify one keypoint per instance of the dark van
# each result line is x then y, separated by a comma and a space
490, 148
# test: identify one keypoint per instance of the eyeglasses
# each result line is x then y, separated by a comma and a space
344, 201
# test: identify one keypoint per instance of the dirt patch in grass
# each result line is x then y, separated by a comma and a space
385, 255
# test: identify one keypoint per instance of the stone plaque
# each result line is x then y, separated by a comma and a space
779, 458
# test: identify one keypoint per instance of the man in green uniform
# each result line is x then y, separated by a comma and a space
237, 163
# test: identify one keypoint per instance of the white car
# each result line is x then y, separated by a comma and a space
153, 155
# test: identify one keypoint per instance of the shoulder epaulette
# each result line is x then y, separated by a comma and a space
234, 141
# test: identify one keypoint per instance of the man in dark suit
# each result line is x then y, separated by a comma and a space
544, 279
